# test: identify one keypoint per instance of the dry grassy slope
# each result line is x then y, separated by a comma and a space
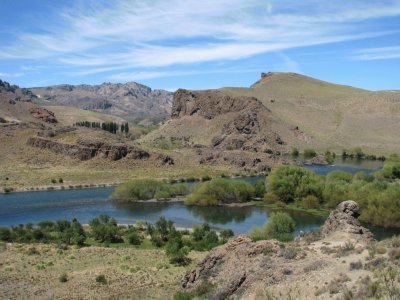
332, 116
130, 273
69, 115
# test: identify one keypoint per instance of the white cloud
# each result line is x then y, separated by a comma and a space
378, 53
104, 36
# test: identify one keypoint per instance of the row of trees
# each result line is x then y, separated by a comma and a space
105, 230
111, 127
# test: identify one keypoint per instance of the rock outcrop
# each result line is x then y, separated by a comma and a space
243, 122
236, 265
43, 114
345, 219
86, 149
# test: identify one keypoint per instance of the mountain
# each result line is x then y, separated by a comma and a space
131, 101
286, 110
16, 106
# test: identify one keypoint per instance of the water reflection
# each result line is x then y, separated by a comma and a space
221, 215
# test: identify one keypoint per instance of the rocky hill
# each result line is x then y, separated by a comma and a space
16, 106
130, 100
331, 116
332, 263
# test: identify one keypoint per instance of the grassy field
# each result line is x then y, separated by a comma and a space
33, 271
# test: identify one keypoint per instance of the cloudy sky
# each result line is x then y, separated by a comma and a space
199, 44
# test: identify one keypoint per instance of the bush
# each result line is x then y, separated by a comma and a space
206, 178
53, 180
105, 229
280, 226
134, 237
309, 153
226, 234
259, 188
101, 279
204, 238
339, 176
295, 152
309, 202
183, 296
63, 277
292, 183
219, 191
176, 250
60, 180
8, 190
145, 189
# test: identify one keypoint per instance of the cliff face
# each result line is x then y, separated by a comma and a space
130, 99
241, 122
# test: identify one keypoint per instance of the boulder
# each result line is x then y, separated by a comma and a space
345, 219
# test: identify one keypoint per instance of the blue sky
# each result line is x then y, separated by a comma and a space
199, 44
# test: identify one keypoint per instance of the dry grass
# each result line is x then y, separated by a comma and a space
130, 273
331, 116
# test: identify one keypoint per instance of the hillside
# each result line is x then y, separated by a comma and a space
332, 116
286, 110
131, 101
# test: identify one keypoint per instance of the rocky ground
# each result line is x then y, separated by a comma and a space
341, 262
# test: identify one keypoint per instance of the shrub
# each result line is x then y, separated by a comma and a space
63, 277
269, 151
145, 189
101, 279
295, 152
134, 237
53, 180
206, 178
280, 226
204, 238
176, 250
183, 296
259, 188
8, 190
292, 182
339, 176
226, 234
309, 202
60, 180
105, 229
219, 191
141, 189
309, 153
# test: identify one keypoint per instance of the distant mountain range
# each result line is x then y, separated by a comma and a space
131, 101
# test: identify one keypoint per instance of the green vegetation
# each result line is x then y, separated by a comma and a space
62, 231
309, 153
219, 191
111, 127
145, 189
280, 226
378, 195
101, 279
295, 152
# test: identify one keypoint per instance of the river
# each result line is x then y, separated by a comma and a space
85, 204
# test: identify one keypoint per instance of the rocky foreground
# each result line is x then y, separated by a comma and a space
338, 262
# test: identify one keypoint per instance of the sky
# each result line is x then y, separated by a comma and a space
192, 44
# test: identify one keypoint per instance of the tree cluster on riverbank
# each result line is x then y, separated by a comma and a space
378, 194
